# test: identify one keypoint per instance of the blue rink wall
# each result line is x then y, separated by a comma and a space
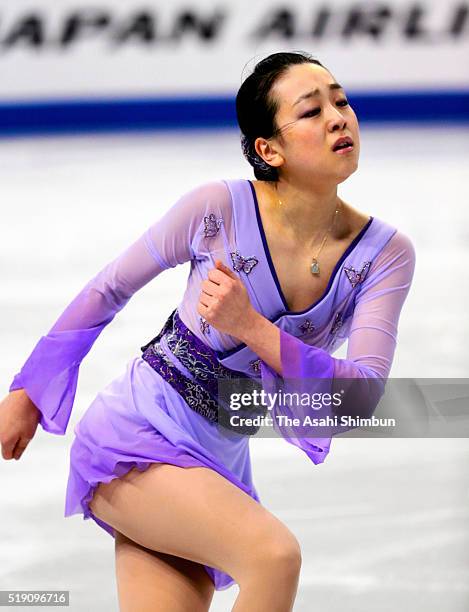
122, 114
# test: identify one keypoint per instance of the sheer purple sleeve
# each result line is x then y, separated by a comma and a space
50, 374
371, 343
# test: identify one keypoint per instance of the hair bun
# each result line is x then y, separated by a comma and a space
262, 170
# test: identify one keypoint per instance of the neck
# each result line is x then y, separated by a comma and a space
309, 211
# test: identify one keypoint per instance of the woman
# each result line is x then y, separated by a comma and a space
282, 272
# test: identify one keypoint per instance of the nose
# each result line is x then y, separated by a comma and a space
336, 121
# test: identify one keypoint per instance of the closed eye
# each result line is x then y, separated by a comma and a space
315, 111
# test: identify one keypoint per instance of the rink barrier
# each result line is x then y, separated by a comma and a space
137, 114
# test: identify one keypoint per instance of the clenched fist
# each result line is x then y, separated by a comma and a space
224, 302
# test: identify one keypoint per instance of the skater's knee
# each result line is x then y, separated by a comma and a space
278, 553
284, 556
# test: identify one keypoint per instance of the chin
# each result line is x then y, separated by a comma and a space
343, 177
350, 171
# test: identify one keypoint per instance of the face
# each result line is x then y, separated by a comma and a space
309, 127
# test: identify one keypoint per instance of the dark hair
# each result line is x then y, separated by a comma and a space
256, 110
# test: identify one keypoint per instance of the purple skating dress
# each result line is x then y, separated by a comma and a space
139, 418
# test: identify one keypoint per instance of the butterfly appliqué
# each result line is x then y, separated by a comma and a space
246, 264
355, 277
337, 324
306, 327
212, 225
255, 365
204, 326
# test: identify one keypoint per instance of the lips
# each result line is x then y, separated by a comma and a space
341, 143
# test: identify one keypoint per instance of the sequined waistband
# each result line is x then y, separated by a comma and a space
201, 393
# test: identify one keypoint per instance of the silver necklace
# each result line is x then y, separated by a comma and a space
314, 266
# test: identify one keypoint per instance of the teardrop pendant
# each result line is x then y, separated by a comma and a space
315, 267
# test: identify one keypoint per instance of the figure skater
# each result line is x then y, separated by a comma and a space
283, 271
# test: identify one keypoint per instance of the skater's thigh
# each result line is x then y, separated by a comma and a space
150, 581
194, 513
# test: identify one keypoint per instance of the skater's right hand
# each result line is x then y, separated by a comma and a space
19, 419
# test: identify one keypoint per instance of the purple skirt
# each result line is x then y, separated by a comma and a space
139, 419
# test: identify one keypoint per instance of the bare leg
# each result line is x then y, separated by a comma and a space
196, 514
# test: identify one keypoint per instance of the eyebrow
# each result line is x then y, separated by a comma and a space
315, 92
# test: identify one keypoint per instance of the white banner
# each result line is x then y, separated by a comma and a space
64, 49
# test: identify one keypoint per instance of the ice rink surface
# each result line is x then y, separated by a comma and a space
383, 523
